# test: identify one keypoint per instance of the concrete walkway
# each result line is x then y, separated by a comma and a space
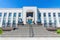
30, 31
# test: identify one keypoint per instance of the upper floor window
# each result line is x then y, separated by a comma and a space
5, 14
54, 14
44, 14
29, 14
10, 14
58, 14
0, 14
39, 14
14, 15
19, 14
49, 14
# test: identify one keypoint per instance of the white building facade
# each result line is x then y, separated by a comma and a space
13, 16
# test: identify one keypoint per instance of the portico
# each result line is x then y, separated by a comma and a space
30, 13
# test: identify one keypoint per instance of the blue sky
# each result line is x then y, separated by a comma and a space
21, 3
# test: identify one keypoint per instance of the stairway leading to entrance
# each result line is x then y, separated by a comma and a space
30, 31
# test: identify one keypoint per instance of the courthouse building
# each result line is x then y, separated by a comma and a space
48, 17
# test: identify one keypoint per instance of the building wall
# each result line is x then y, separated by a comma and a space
10, 11
33, 9
50, 10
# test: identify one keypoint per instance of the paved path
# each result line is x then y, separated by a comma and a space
30, 31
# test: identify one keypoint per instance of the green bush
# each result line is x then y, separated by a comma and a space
1, 31
58, 31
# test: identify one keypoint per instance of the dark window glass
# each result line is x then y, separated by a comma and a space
19, 20
0, 14
3, 21
19, 14
39, 16
58, 14
59, 21
29, 14
49, 14
9, 21
54, 21
14, 22
44, 14
5, 14
54, 14
45, 21
10, 14
14, 15
49, 21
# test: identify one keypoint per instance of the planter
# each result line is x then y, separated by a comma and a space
51, 29
7, 29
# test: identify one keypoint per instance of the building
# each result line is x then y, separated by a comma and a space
10, 17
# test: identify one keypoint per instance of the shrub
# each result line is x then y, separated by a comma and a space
1, 31
58, 31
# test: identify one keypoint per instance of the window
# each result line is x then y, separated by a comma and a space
54, 21
44, 14
29, 14
20, 20
0, 14
45, 21
5, 14
49, 14
9, 21
59, 21
10, 14
58, 14
50, 21
4, 21
14, 15
54, 14
19, 14
39, 16
14, 22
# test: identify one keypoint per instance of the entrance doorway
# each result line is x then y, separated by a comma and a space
29, 17
29, 21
